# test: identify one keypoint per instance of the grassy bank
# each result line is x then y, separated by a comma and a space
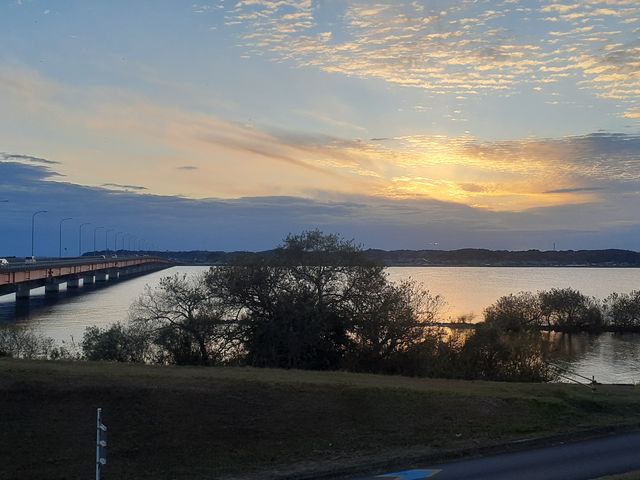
624, 476
197, 423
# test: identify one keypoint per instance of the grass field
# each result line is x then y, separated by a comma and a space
625, 476
205, 423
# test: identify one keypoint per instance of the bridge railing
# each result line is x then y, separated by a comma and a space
40, 270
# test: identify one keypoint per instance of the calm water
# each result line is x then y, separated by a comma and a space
610, 358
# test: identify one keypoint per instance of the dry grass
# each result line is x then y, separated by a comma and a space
204, 423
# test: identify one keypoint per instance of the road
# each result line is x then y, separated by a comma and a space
584, 460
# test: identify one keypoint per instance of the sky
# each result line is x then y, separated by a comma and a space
226, 125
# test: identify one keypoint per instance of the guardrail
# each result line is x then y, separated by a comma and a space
571, 375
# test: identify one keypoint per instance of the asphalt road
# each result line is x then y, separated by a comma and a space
584, 460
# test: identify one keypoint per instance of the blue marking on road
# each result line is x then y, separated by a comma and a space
410, 474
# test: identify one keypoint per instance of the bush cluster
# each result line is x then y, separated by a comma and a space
565, 310
18, 341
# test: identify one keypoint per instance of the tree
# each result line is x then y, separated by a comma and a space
316, 300
22, 342
568, 309
514, 312
623, 310
188, 322
117, 343
389, 319
291, 307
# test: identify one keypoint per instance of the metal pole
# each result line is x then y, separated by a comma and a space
80, 238
33, 222
106, 236
115, 243
98, 423
94, 238
60, 242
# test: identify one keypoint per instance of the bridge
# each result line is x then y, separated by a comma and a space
21, 278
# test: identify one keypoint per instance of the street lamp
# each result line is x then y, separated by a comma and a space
115, 243
80, 237
60, 241
94, 238
106, 237
33, 222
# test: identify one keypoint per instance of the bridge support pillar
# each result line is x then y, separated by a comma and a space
102, 277
23, 292
73, 283
52, 287
88, 280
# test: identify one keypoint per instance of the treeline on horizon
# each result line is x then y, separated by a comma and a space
461, 257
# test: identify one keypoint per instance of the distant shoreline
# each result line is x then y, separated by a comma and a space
467, 257
195, 264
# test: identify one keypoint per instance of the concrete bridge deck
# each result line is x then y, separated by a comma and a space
21, 278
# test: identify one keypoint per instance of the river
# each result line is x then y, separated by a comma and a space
611, 358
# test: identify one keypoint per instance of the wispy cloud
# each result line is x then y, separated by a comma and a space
575, 190
124, 187
459, 48
27, 158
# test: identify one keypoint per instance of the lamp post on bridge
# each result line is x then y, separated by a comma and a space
123, 237
106, 238
33, 223
94, 238
115, 243
60, 239
80, 237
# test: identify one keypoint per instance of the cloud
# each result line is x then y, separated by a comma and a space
187, 167
27, 158
463, 48
150, 140
575, 190
260, 222
124, 187
143, 135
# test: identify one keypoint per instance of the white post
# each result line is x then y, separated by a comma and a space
101, 444
98, 424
